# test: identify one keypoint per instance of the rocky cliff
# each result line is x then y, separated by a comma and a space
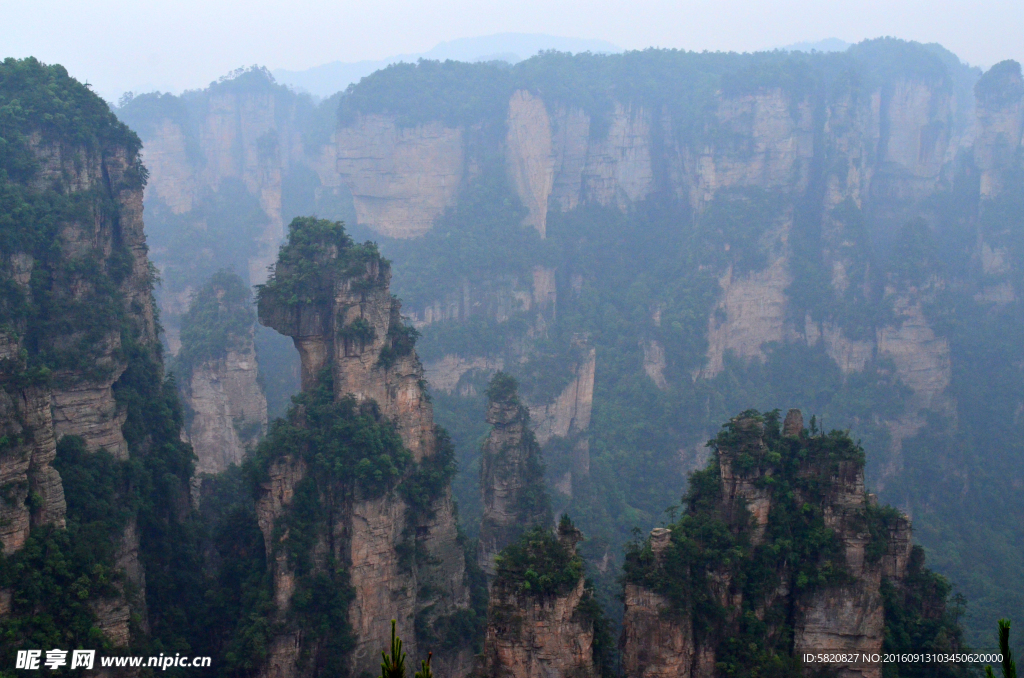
221, 390
511, 474
81, 364
542, 619
817, 569
395, 531
838, 228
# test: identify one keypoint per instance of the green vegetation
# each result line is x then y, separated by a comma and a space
705, 539
460, 248
425, 671
393, 664
797, 552
221, 231
451, 92
917, 619
219, 317
533, 506
37, 97
75, 322
58, 573
1001, 84
616, 272
1009, 666
503, 388
346, 444
401, 340
350, 450
72, 302
541, 563
317, 255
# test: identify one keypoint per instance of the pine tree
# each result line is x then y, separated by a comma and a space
393, 666
425, 671
1009, 667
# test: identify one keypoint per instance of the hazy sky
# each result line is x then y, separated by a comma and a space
173, 45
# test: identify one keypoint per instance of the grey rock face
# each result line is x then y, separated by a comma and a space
511, 480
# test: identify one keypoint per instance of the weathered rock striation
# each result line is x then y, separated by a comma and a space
225, 405
768, 490
511, 474
228, 408
542, 618
78, 331
403, 561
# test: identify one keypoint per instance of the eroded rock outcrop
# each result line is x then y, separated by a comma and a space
568, 417
542, 619
511, 474
397, 540
221, 389
769, 483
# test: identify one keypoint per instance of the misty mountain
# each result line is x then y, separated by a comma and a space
329, 78
826, 45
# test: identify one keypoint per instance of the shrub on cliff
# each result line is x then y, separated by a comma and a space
219, 316
317, 255
503, 387
540, 563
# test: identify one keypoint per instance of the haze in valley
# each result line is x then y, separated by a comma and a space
124, 45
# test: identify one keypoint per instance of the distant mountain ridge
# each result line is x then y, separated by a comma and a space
826, 45
329, 78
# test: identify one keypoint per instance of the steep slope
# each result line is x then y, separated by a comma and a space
383, 536
90, 426
780, 554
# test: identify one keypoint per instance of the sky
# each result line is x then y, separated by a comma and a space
145, 45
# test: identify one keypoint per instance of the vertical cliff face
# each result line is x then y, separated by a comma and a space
397, 543
221, 390
228, 407
228, 168
26, 466
78, 400
686, 610
246, 131
511, 474
541, 617
1000, 125
877, 146
401, 179
81, 362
